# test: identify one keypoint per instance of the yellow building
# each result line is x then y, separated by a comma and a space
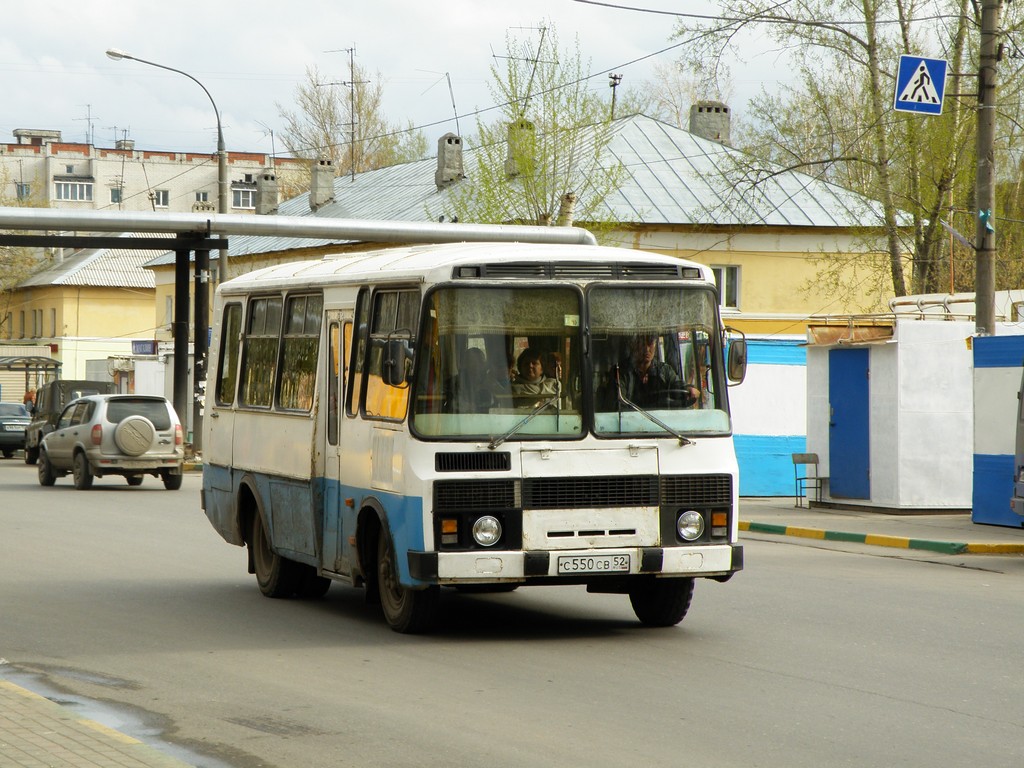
87, 309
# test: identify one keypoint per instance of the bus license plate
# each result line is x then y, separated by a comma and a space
568, 564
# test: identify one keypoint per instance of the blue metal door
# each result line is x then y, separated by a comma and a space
848, 433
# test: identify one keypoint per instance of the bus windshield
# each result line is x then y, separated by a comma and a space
499, 362
496, 360
656, 363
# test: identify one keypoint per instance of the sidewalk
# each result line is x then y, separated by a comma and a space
952, 534
37, 733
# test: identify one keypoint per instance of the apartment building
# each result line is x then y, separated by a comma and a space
40, 168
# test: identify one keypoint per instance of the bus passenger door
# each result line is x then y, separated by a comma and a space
339, 342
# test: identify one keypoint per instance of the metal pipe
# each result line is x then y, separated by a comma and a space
57, 219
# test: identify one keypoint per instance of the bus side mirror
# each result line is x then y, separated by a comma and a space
736, 365
396, 362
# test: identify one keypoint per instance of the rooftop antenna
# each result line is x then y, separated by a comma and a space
351, 83
89, 134
268, 130
451, 93
535, 61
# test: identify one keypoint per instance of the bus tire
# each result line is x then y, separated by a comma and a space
661, 602
409, 611
310, 585
276, 576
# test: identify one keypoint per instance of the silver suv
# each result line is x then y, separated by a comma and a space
127, 435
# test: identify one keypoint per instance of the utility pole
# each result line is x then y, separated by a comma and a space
985, 187
613, 83
351, 83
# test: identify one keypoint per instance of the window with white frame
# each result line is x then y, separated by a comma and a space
22, 190
728, 281
162, 198
115, 195
76, 191
53, 323
202, 197
243, 198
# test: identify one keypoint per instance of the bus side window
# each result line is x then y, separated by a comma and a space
334, 358
393, 322
259, 351
300, 351
227, 363
358, 353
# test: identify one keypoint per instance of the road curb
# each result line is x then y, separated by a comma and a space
900, 542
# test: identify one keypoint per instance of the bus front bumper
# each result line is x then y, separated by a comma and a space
482, 567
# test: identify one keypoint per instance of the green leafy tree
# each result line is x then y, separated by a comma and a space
835, 120
549, 148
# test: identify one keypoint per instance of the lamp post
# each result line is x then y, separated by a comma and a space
202, 286
222, 155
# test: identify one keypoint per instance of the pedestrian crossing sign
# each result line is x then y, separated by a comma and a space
920, 85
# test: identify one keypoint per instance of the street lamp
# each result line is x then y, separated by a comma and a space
202, 286
222, 155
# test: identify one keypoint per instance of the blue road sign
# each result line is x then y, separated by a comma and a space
920, 85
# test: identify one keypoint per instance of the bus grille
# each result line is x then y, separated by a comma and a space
696, 490
583, 492
582, 271
577, 492
473, 462
475, 495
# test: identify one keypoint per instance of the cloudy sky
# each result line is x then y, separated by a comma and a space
54, 73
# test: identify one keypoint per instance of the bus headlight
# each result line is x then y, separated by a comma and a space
487, 531
690, 525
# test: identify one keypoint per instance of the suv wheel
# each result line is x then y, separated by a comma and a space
46, 476
31, 455
172, 482
82, 473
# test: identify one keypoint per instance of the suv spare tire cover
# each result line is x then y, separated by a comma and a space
134, 435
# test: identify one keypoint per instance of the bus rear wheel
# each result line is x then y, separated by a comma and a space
276, 576
410, 611
661, 602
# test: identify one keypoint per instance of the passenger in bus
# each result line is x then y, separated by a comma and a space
470, 391
531, 387
649, 382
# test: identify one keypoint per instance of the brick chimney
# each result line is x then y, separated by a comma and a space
521, 147
449, 161
710, 120
321, 190
267, 197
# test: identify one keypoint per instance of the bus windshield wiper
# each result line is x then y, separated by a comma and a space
683, 439
496, 441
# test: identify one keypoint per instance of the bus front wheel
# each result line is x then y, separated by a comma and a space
661, 602
277, 576
409, 611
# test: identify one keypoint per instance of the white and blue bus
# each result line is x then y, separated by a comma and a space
365, 422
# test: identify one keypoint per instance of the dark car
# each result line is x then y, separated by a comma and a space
14, 419
50, 401
125, 435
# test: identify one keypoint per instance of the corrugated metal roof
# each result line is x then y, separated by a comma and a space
672, 177
99, 268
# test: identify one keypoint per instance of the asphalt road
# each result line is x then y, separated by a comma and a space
125, 601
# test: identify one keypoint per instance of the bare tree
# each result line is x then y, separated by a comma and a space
344, 121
